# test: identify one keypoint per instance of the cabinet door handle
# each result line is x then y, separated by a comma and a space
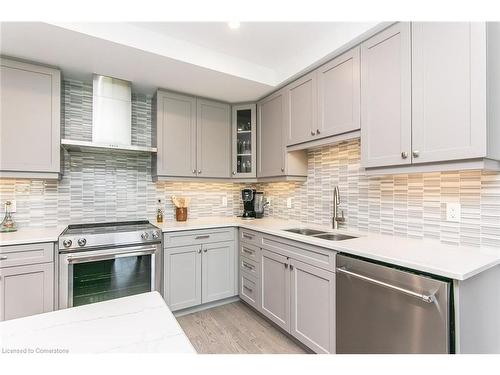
199, 171
248, 251
234, 173
282, 169
291, 267
202, 237
247, 288
199, 251
248, 237
3, 258
205, 250
317, 131
313, 132
404, 155
247, 266
286, 265
416, 153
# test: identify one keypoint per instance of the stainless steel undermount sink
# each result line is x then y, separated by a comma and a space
320, 234
305, 231
334, 236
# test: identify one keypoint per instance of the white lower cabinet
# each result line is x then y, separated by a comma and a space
312, 301
217, 271
26, 290
296, 295
199, 273
275, 292
183, 277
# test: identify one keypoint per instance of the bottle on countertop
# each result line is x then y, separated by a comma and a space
159, 212
8, 224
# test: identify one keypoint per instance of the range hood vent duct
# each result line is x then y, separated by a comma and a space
111, 111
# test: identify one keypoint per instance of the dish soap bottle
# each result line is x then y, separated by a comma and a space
8, 224
159, 212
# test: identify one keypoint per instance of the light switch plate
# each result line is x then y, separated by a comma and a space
224, 201
453, 212
289, 203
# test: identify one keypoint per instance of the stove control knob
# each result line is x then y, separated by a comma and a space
82, 242
155, 235
67, 243
145, 235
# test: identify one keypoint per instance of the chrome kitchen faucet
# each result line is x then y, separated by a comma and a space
336, 201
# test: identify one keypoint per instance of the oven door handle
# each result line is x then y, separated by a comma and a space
95, 256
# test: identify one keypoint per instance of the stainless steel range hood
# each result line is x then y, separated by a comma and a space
111, 118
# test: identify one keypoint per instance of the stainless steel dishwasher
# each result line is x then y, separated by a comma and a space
382, 309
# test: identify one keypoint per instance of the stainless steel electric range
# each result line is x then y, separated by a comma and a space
103, 261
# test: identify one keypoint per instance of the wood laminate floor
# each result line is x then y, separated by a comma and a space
235, 329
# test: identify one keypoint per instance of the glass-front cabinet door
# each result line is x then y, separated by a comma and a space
244, 141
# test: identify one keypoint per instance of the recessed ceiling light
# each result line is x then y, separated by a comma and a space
233, 24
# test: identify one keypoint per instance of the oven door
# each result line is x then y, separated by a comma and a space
99, 275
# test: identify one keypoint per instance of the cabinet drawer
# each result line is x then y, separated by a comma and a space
20, 255
249, 266
250, 237
250, 251
184, 238
249, 289
313, 255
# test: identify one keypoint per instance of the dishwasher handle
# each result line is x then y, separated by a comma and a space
424, 297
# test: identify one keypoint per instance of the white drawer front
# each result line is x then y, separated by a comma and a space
184, 238
249, 290
21, 255
249, 266
250, 251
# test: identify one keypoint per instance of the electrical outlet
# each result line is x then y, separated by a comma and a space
224, 201
289, 203
13, 206
453, 212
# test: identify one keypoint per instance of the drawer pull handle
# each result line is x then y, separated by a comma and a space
3, 258
202, 237
247, 266
248, 237
247, 288
248, 251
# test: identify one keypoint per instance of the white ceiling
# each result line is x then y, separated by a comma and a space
202, 58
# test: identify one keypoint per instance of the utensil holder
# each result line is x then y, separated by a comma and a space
181, 213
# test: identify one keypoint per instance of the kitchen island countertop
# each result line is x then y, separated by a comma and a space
140, 323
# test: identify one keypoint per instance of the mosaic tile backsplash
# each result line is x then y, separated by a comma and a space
106, 187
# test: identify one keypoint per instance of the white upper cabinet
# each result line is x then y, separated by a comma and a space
386, 98
30, 120
434, 111
271, 114
193, 137
175, 134
214, 139
302, 109
244, 141
339, 95
448, 91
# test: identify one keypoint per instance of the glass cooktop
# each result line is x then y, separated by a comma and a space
98, 228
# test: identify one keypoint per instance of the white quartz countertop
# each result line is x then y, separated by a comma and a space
30, 235
141, 323
432, 256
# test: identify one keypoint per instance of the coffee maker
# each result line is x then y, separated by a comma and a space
248, 198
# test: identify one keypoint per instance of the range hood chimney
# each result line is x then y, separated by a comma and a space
111, 119
112, 111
